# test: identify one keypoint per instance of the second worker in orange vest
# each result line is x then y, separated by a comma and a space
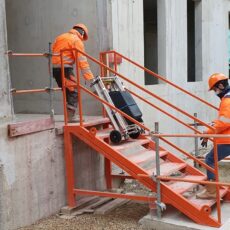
70, 40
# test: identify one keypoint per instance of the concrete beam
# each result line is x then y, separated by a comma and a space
5, 100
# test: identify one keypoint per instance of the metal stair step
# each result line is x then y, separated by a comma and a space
206, 202
181, 187
167, 168
129, 143
104, 133
145, 155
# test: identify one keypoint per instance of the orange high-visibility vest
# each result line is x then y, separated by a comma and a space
222, 123
71, 40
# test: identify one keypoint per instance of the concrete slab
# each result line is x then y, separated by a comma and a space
175, 220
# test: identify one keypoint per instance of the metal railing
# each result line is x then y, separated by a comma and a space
104, 67
215, 171
49, 89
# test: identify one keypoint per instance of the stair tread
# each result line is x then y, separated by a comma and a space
93, 121
181, 187
167, 168
103, 133
145, 155
129, 143
209, 202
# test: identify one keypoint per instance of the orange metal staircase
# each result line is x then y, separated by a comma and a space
140, 164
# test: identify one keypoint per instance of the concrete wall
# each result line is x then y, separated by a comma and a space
32, 178
32, 175
211, 38
32, 25
5, 100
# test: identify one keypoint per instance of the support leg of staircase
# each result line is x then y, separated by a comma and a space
108, 176
69, 168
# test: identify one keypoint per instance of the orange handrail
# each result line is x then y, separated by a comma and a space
141, 88
215, 170
11, 53
147, 129
24, 91
158, 76
80, 87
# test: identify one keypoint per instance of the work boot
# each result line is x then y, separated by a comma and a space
73, 117
209, 192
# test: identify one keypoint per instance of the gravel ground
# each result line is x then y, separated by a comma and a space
124, 217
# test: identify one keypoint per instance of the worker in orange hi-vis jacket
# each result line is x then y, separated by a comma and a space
218, 82
72, 39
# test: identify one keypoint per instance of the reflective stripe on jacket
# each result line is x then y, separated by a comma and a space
71, 40
222, 123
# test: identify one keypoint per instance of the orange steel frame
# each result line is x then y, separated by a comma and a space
72, 192
69, 130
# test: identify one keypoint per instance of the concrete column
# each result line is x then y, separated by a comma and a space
176, 41
162, 32
5, 102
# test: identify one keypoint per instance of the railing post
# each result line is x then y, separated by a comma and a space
51, 80
79, 88
157, 148
196, 165
196, 141
215, 152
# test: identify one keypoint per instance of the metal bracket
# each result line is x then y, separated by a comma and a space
13, 90
48, 89
161, 205
154, 178
97, 79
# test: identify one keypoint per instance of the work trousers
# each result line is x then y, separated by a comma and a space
71, 95
223, 150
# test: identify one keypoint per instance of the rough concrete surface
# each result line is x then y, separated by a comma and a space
174, 220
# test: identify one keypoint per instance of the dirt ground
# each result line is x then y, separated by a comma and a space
124, 217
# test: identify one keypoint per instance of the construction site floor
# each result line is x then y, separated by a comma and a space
124, 217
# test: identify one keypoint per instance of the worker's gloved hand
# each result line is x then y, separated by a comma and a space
204, 142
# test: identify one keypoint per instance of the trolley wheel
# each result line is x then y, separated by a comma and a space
115, 136
134, 135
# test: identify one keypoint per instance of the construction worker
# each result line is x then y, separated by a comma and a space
72, 39
218, 83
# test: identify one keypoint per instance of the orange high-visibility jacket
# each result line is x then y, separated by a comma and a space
222, 123
70, 40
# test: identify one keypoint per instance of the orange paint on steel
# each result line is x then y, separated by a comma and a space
164, 79
108, 170
63, 89
109, 152
34, 91
114, 195
147, 91
217, 180
134, 170
169, 178
78, 87
102, 75
191, 135
114, 108
161, 110
187, 154
27, 54
69, 168
115, 62
168, 195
